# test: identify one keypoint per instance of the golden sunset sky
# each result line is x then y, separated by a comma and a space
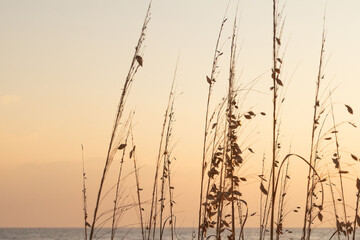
62, 68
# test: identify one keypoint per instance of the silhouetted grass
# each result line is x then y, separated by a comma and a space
222, 207
137, 61
86, 224
163, 154
314, 151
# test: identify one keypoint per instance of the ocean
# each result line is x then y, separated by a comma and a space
135, 234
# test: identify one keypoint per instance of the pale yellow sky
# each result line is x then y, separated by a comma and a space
63, 64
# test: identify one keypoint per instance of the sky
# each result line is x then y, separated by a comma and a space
63, 64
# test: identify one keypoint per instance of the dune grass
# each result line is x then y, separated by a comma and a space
222, 207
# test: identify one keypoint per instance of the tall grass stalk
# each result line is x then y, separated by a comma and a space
334, 205
166, 170
313, 149
232, 126
281, 206
338, 166
211, 80
171, 200
86, 224
220, 201
117, 191
154, 198
275, 77
137, 61
262, 211
216, 142
138, 189
242, 222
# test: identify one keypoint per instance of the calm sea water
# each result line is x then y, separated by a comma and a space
134, 234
